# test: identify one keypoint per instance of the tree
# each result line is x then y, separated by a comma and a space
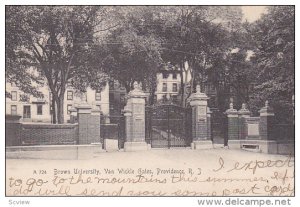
55, 41
168, 34
195, 35
16, 67
135, 50
274, 59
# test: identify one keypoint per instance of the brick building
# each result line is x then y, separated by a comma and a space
33, 109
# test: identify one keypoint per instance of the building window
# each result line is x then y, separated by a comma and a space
174, 76
165, 75
98, 96
174, 89
164, 98
155, 98
14, 96
39, 109
69, 95
69, 106
165, 88
13, 109
26, 112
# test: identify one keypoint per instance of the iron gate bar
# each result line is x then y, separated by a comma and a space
168, 115
168, 125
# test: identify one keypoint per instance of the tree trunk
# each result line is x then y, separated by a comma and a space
181, 85
60, 109
53, 111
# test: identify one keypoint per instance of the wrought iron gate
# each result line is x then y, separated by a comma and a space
219, 127
168, 125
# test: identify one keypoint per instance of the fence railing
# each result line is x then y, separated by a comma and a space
283, 132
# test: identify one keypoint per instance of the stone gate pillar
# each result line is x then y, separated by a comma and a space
233, 128
266, 122
200, 120
88, 125
209, 112
134, 113
94, 127
243, 114
83, 115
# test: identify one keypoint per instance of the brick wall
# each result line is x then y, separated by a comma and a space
233, 129
89, 128
41, 134
265, 128
94, 129
243, 128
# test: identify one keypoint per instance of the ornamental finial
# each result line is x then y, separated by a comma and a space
243, 106
135, 85
198, 89
267, 103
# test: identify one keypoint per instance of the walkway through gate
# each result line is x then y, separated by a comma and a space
219, 127
168, 125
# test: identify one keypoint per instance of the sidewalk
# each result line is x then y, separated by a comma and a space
195, 172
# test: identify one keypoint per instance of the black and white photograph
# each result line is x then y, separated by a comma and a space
150, 101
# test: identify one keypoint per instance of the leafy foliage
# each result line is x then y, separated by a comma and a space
87, 45
274, 60
55, 41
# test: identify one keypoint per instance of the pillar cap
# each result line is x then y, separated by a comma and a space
73, 109
266, 110
137, 92
84, 106
244, 110
198, 95
84, 109
231, 110
126, 111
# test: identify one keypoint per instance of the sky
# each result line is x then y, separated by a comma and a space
252, 13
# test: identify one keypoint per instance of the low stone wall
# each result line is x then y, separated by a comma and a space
20, 134
53, 152
259, 134
286, 147
264, 146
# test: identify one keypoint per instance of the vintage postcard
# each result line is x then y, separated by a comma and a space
160, 101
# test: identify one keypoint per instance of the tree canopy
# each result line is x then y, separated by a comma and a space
274, 59
57, 42
86, 45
